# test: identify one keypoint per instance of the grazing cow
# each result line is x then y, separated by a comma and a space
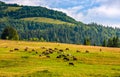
59, 56
11, 50
87, 51
16, 49
63, 55
51, 52
26, 49
55, 49
40, 55
61, 50
77, 51
33, 49
48, 56
74, 58
68, 54
50, 48
45, 52
36, 52
67, 49
71, 63
66, 59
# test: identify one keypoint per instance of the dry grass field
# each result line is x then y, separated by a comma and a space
45, 59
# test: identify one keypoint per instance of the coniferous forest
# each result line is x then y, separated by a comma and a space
78, 33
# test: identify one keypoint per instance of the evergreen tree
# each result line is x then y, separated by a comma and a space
104, 43
87, 41
110, 42
115, 41
9, 33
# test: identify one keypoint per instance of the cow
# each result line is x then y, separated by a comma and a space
71, 63
16, 49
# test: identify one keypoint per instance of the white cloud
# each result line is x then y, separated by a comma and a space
72, 12
106, 12
24, 2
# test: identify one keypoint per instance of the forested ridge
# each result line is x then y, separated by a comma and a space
41, 31
34, 11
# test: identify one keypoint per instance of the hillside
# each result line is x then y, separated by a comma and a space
39, 23
18, 12
46, 20
27, 59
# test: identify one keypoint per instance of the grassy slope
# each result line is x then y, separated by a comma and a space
38, 19
27, 63
11, 8
46, 20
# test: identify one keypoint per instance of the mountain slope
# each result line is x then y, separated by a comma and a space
29, 11
52, 26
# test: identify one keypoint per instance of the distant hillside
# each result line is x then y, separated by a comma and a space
46, 20
40, 23
29, 11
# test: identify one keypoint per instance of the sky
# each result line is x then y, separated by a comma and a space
105, 12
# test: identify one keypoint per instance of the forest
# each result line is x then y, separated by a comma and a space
42, 31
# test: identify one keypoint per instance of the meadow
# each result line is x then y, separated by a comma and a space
46, 20
11, 8
42, 59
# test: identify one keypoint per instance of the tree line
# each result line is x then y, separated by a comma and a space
78, 34
112, 42
10, 33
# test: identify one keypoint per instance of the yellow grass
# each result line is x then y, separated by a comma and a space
46, 20
23, 44
95, 63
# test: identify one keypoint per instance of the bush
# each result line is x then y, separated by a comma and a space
9, 33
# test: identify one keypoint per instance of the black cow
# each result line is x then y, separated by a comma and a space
71, 63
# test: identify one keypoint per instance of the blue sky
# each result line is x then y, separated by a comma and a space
106, 12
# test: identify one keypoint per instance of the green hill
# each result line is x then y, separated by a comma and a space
39, 23
11, 8
17, 12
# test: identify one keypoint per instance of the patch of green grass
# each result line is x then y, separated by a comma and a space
11, 8
46, 20
45, 73
25, 57
7, 63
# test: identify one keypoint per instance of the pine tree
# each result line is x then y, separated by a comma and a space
104, 43
115, 41
87, 41
110, 42
9, 33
